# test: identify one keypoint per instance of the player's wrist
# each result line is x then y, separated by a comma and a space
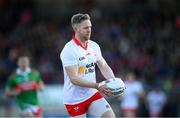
96, 85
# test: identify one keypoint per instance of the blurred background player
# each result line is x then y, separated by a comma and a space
156, 100
24, 84
134, 90
79, 57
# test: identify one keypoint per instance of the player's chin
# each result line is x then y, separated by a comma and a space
87, 37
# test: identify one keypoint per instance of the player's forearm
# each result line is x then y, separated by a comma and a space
41, 86
107, 72
105, 69
11, 93
83, 83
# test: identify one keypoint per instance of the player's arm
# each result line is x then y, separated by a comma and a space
11, 92
105, 69
41, 86
40, 82
72, 72
10, 87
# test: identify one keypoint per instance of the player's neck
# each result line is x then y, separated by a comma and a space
23, 69
83, 42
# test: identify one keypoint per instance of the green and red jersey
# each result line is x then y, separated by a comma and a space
28, 85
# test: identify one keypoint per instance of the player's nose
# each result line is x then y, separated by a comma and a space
89, 31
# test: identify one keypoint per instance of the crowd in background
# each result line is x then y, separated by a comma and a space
143, 42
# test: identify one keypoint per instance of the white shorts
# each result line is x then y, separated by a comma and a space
33, 109
98, 108
95, 106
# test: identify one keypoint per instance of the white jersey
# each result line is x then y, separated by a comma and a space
131, 95
85, 58
156, 101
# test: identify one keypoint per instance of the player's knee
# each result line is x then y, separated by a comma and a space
109, 114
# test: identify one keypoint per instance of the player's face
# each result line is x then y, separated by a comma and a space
23, 62
84, 30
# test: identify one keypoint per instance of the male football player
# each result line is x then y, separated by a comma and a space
79, 57
24, 84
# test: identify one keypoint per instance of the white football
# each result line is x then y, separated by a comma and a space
116, 85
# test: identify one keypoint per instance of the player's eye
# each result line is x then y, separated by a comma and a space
87, 27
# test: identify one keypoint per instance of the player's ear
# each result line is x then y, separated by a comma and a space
76, 27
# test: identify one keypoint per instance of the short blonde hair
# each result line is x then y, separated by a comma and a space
78, 18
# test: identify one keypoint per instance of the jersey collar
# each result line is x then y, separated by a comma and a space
79, 43
20, 72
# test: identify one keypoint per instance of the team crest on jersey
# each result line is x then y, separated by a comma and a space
89, 68
81, 70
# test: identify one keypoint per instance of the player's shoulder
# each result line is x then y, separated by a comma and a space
93, 43
35, 72
68, 46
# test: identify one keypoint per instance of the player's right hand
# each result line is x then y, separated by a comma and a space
104, 89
